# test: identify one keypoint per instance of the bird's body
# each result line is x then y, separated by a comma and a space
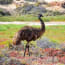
29, 33
26, 32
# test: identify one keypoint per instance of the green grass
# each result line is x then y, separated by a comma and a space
54, 33
31, 18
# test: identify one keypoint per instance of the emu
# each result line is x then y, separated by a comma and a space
29, 33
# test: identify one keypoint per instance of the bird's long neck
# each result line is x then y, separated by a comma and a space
42, 24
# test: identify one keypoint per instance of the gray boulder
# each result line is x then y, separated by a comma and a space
4, 12
3, 2
30, 9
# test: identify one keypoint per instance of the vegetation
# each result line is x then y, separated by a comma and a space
40, 56
54, 33
4, 12
31, 18
5, 2
63, 5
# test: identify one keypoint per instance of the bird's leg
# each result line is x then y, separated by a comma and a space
28, 49
25, 52
28, 52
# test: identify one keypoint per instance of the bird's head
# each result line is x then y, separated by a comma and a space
40, 15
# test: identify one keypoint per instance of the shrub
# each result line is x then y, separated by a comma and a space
63, 5
62, 46
5, 1
4, 12
46, 43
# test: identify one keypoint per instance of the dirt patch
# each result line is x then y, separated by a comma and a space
1, 33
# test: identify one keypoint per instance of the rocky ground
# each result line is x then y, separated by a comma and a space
14, 9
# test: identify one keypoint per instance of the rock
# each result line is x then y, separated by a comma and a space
30, 9
63, 5
38, 10
2, 2
4, 12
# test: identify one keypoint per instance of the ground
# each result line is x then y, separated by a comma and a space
38, 56
54, 33
14, 57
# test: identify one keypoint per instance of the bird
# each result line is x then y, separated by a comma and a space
29, 34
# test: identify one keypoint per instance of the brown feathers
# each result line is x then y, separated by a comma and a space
29, 33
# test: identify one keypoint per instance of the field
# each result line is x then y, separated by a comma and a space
39, 56
32, 18
49, 49
54, 33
